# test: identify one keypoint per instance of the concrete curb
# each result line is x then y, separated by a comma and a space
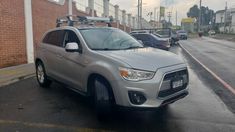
224, 83
16, 73
16, 79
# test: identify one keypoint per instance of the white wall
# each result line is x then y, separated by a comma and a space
218, 18
233, 19
233, 22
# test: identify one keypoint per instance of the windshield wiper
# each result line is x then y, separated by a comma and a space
105, 49
133, 47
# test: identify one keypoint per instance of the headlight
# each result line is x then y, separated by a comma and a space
135, 75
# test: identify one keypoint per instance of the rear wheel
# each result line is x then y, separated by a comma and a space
41, 75
102, 98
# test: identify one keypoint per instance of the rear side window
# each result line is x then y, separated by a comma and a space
142, 37
55, 38
145, 37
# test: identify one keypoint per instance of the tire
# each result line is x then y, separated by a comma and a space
102, 99
42, 78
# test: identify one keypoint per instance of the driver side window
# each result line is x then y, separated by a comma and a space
70, 37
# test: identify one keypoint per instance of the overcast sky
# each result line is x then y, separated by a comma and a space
182, 6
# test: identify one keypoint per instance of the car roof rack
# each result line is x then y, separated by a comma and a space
71, 20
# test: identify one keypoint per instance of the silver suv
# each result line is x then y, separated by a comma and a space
110, 66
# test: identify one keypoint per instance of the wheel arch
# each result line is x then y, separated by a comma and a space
37, 60
90, 85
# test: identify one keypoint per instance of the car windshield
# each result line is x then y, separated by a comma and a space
109, 39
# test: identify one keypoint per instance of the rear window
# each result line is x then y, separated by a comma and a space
143, 37
181, 31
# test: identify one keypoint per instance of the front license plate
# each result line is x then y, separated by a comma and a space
177, 83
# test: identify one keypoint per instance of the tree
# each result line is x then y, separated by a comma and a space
206, 14
193, 12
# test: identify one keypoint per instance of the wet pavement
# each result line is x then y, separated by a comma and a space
218, 56
24, 106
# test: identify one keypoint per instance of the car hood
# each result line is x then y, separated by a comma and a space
145, 58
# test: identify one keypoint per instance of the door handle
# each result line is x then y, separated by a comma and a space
59, 56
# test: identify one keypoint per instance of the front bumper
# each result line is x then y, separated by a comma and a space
165, 102
149, 88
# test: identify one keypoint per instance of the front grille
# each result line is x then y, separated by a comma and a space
166, 88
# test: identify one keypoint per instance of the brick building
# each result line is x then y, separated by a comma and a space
19, 36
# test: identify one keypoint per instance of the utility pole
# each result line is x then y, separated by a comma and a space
139, 13
169, 19
155, 13
141, 5
176, 18
200, 15
225, 16
169, 16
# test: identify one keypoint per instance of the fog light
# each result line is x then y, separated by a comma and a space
136, 98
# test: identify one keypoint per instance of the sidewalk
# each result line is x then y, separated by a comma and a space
228, 37
12, 74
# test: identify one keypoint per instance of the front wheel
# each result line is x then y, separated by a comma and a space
41, 75
102, 98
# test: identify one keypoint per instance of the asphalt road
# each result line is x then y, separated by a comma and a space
218, 56
24, 106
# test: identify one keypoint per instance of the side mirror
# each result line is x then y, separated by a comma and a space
72, 47
140, 41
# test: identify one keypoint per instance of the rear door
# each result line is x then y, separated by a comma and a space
51, 43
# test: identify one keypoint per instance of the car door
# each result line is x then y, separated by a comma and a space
51, 43
71, 62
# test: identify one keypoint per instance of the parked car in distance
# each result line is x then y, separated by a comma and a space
152, 40
212, 32
182, 34
111, 67
174, 37
168, 33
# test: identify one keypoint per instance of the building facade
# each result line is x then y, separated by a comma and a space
23, 23
225, 20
